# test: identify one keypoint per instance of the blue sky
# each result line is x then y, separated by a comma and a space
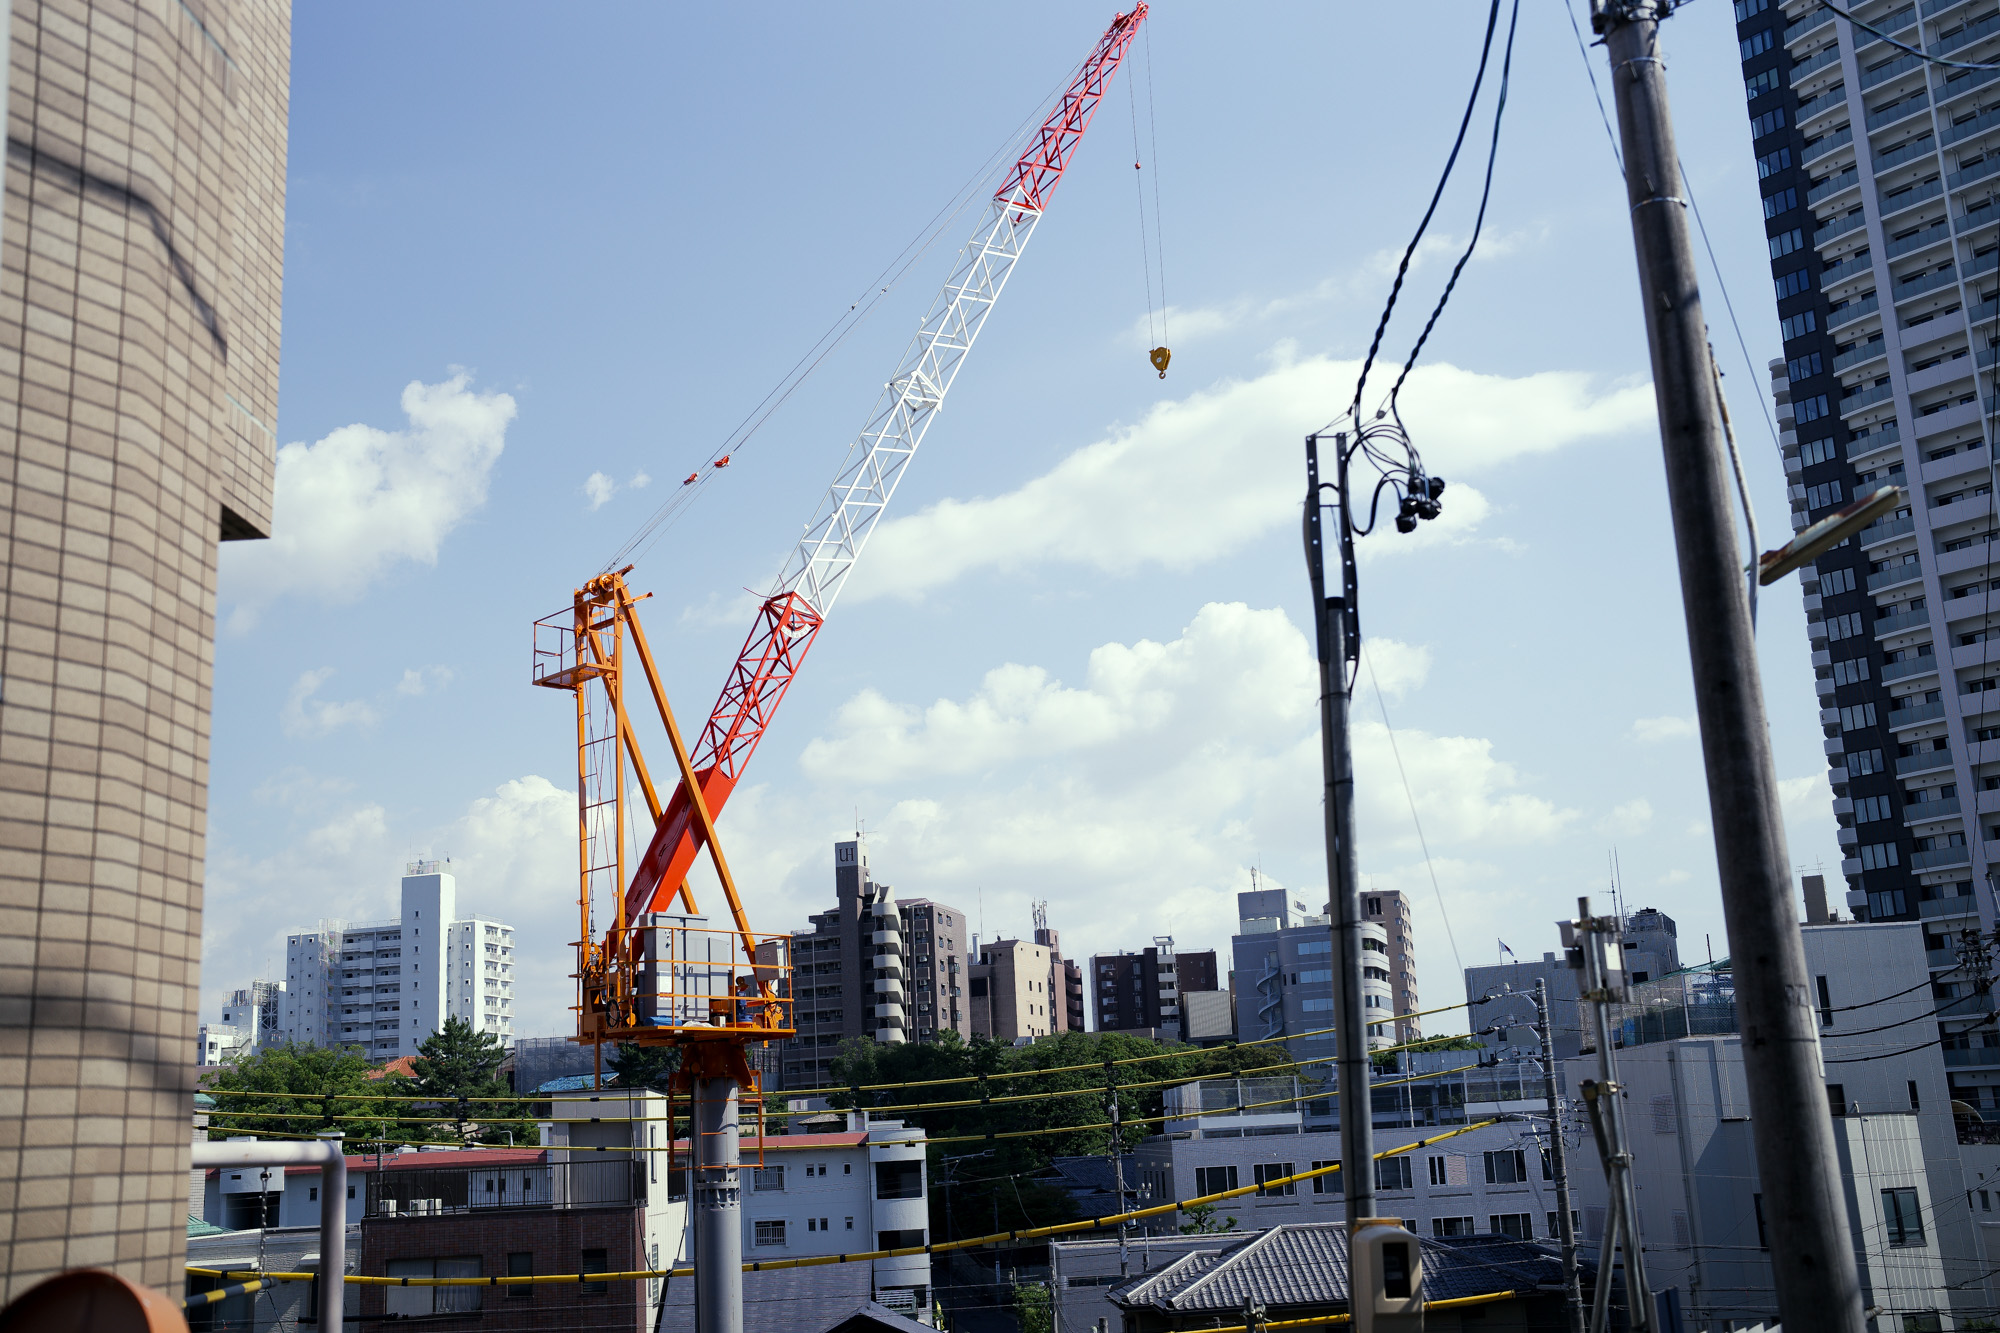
532, 245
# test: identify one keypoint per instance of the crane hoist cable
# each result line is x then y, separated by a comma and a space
1156, 324
880, 287
791, 614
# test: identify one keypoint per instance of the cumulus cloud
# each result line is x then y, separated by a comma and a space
306, 716
1393, 667
1654, 729
599, 487
1629, 818
425, 680
1200, 477
361, 501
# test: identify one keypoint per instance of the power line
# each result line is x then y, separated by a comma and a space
1917, 51
1591, 71
1410, 796
1403, 268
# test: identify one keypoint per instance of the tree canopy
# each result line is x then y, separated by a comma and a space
308, 1076
455, 1063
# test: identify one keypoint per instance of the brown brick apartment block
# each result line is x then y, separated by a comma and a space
141, 267
499, 1242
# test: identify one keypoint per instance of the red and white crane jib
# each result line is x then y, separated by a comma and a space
817, 569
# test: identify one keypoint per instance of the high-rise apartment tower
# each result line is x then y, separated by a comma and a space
1880, 173
872, 967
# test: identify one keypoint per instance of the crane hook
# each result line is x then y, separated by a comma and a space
1159, 356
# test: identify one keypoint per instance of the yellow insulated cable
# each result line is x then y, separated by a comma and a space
937, 1247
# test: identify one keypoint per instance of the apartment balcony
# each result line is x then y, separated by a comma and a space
1927, 762
1947, 418
1934, 908
1976, 1057
1886, 530
1915, 150
1961, 510
1915, 715
1854, 402
1923, 812
1965, 1005
1853, 311
1883, 437
1892, 113
1941, 858
1966, 36
1840, 138
1830, 100
1812, 22
887, 986
1956, 464
1836, 228
1936, 234
1830, 187
1959, 84
1979, 124
1881, 74
1926, 282
889, 936
1896, 577
1860, 354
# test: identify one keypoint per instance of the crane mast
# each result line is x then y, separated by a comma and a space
790, 617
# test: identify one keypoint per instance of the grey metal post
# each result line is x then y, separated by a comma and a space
1559, 1161
1595, 935
1330, 613
333, 1234
1814, 1271
1118, 1174
718, 1209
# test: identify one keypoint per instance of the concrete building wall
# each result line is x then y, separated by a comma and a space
141, 270
1012, 992
1390, 909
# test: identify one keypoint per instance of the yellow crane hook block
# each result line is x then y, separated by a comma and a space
1159, 356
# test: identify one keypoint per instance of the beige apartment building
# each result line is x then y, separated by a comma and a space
141, 268
1013, 991
1390, 909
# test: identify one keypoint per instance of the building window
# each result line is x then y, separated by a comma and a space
414, 1302
1214, 1179
1836, 1098
1393, 1173
521, 1263
770, 1233
768, 1180
1521, 1226
899, 1180
899, 1240
1269, 1171
1325, 1184
1900, 1217
1451, 1226
1506, 1167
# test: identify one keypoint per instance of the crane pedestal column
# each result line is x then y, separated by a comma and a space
718, 1209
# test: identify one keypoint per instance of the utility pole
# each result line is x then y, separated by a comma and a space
718, 1208
1814, 1271
1337, 637
1559, 1161
1587, 940
1117, 1172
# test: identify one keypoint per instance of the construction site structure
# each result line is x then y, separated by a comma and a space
651, 970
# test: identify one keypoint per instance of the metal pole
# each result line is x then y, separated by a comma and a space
1118, 1174
1332, 617
1609, 1121
1814, 1270
718, 1209
1559, 1161
333, 1233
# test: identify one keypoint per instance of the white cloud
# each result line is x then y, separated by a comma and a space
1629, 818
1394, 668
1808, 795
305, 716
362, 500
1200, 477
599, 487
1653, 729
425, 680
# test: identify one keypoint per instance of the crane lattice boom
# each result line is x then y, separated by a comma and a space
791, 616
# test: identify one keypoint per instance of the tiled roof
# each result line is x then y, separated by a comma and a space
1305, 1266
1092, 1174
197, 1227
574, 1083
787, 1300
402, 1064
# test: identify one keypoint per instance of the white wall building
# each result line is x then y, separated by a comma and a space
385, 986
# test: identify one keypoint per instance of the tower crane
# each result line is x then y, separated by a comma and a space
658, 974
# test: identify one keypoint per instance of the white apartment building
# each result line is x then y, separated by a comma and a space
385, 986
252, 1016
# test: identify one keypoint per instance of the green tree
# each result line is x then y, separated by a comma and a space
1031, 1307
1199, 1220
308, 1077
454, 1064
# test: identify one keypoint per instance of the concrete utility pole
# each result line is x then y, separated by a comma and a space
1814, 1270
1335, 621
718, 1209
1559, 1160
1589, 941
